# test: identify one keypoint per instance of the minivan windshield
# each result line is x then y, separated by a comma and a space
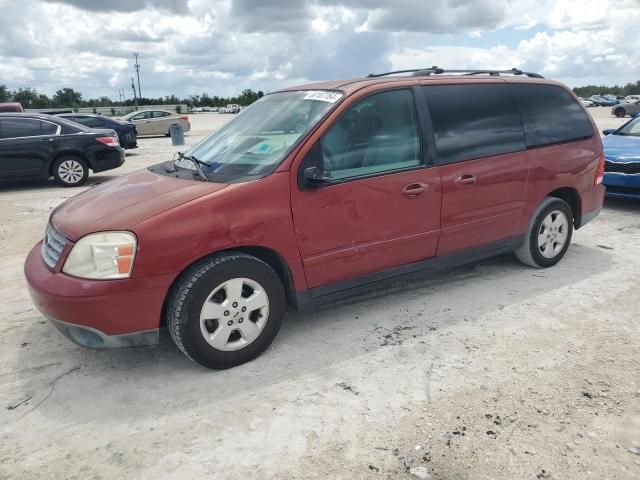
631, 128
259, 138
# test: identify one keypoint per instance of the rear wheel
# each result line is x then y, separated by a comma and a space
226, 310
620, 112
549, 235
70, 171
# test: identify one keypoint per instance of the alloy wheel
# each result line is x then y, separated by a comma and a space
234, 314
552, 235
71, 171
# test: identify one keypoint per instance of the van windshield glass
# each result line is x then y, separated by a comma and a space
259, 138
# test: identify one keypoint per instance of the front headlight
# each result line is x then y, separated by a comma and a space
102, 256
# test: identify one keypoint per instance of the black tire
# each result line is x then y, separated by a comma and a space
70, 171
620, 112
530, 252
195, 286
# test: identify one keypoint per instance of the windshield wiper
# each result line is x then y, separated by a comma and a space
196, 163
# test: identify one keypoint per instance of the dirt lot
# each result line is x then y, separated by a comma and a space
491, 370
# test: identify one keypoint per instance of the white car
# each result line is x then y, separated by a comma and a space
156, 122
586, 103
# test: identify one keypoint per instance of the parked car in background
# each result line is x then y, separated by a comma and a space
156, 122
44, 146
11, 107
601, 101
622, 155
612, 98
313, 194
231, 108
627, 108
586, 103
127, 132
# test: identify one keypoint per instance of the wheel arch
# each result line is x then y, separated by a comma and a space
571, 196
267, 255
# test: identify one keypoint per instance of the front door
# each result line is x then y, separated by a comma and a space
26, 144
381, 206
143, 123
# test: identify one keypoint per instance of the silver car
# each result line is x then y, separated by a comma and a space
156, 122
624, 109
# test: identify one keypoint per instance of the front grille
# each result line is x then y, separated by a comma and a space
52, 246
620, 167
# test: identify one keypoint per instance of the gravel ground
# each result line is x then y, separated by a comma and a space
491, 370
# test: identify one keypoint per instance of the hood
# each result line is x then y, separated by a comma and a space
122, 203
621, 148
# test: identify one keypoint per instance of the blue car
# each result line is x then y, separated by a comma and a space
622, 160
127, 132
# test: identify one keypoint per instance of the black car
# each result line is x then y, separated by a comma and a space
44, 146
127, 132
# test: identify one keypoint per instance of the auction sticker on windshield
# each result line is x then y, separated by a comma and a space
323, 96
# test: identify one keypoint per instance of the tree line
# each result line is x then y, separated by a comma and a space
70, 98
628, 89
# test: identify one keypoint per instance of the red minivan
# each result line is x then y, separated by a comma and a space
317, 192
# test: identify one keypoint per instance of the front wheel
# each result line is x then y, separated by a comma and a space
549, 235
226, 310
620, 112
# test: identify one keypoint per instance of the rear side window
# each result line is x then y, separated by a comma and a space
49, 128
91, 122
160, 114
550, 115
473, 121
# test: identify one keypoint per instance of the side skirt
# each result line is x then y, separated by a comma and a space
416, 270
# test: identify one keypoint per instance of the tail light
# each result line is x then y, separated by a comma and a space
600, 170
109, 141
185, 118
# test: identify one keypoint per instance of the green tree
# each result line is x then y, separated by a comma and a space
28, 97
5, 94
67, 97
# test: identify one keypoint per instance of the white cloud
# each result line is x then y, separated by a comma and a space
223, 46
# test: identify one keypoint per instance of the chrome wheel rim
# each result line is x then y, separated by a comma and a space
71, 171
234, 314
553, 233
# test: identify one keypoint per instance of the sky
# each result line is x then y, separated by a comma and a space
224, 46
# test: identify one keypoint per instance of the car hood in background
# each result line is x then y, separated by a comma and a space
621, 148
122, 203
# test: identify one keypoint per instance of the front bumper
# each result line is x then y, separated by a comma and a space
622, 185
98, 313
91, 338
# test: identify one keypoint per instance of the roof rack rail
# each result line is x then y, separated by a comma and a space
421, 72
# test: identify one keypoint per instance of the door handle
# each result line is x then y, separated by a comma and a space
415, 189
465, 180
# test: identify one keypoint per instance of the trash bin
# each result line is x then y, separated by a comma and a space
177, 134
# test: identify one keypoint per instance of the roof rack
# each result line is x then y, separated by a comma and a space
422, 72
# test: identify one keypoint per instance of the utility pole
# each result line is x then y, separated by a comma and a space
138, 74
135, 99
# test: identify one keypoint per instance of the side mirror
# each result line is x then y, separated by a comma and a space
608, 131
312, 177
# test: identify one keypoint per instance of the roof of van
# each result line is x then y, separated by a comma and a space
351, 85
